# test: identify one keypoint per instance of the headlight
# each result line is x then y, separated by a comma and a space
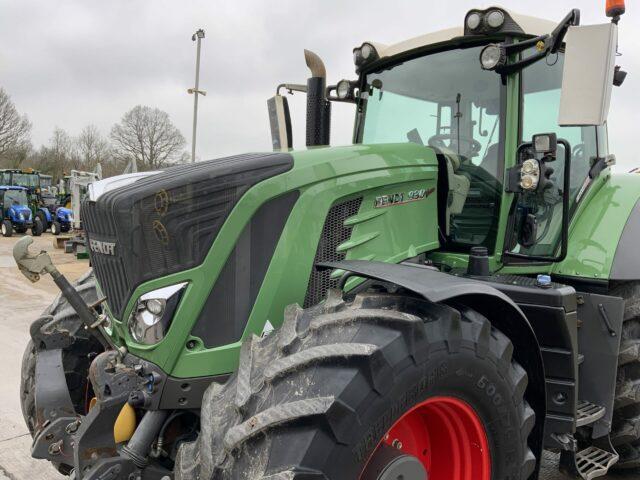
495, 18
364, 54
21, 216
343, 89
367, 51
473, 21
530, 174
492, 56
153, 313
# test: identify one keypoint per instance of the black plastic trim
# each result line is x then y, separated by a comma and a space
225, 313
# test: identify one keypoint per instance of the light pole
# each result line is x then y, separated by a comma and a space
198, 36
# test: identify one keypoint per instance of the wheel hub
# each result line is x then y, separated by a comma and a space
442, 438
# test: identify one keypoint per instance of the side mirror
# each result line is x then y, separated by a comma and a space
280, 123
589, 67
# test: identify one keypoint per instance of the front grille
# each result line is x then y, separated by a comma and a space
167, 222
109, 270
334, 232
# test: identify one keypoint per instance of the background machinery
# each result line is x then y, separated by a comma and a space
15, 212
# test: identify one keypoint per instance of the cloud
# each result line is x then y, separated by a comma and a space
71, 63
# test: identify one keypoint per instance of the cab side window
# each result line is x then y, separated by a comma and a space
541, 85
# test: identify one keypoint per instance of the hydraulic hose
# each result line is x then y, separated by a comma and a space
140, 444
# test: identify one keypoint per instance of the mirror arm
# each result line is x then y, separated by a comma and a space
558, 34
551, 44
516, 67
291, 87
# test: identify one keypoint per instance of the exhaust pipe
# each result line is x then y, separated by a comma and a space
318, 107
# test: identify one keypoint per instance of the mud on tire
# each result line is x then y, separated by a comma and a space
59, 317
625, 434
313, 399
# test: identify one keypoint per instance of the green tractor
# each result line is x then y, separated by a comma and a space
448, 297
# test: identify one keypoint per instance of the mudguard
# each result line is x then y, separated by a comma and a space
46, 213
605, 232
436, 287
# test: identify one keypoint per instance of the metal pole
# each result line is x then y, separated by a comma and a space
196, 91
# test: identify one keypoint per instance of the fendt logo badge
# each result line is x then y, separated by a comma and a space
106, 248
402, 197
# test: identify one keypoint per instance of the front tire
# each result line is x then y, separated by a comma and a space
61, 317
56, 228
343, 385
6, 228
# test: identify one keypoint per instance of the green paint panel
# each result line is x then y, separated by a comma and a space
323, 176
598, 224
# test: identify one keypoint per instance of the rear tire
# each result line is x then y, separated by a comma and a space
60, 317
625, 433
317, 398
56, 228
6, 228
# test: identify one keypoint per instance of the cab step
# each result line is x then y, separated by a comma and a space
592, 462
588, 413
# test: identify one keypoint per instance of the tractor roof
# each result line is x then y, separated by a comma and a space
523, 25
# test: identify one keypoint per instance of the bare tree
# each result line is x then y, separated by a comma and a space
18, 155
14, 128
147, 136
93, 148
60, 156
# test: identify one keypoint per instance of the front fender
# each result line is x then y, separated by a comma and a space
502, 311
46, 213
605, 232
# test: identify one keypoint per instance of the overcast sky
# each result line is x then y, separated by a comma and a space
71, 63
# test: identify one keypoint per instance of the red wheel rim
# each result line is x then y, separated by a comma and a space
447, 436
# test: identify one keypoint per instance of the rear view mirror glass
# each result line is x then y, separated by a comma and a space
280, 123
588, 74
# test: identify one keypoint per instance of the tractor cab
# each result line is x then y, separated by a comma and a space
477, 95
27, 178
498, 99
15, 211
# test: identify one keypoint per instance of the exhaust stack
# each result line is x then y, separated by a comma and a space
318, 107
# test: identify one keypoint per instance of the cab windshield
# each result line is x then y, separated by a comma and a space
15, 198
446, 101
27, 180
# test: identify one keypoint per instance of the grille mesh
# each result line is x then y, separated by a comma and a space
333, 234
109, 270
167, 222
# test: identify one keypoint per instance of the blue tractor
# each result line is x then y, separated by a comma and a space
15, 212
62, 220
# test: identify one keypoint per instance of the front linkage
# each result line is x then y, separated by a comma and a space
87, 443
